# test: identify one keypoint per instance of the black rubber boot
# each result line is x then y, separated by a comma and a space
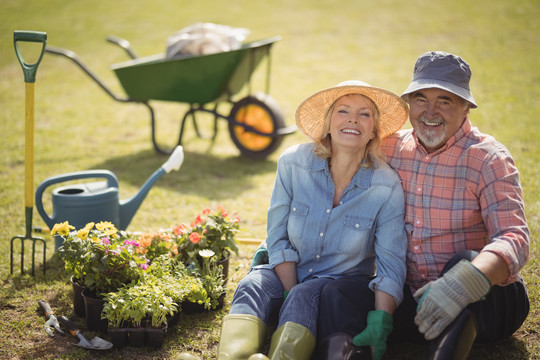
456, 340
339, 346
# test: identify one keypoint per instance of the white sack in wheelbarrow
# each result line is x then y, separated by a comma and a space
203, 39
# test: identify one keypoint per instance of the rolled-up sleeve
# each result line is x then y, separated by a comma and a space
279, 247
503, 212
391, 246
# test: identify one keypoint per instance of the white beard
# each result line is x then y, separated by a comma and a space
431, 139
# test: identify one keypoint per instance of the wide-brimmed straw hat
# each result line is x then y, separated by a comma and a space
311, 113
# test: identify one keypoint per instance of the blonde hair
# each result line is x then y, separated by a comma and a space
323, 145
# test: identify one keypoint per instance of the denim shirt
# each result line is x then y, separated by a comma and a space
363, 236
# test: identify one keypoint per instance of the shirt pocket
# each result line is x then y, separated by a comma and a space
297, 220
355, 235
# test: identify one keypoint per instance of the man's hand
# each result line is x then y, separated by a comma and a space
379, 326
442, 300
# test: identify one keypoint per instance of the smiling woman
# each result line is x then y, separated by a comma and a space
330, 198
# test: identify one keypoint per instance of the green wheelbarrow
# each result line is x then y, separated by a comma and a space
255, 122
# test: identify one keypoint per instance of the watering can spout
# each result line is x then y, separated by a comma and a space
129, 207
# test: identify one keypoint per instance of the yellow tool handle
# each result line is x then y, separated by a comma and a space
29, 146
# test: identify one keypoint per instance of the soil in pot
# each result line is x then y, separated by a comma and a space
93, 306
78, 300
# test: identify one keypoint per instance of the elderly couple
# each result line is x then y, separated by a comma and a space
380, 236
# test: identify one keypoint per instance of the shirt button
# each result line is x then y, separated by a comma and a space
416, 247
318, 256
418, 222
328, 211
357, 225
321, 234
427, 157
419, 189
310, 270
293, 209
423, 276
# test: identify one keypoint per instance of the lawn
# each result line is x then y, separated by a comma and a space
79, 127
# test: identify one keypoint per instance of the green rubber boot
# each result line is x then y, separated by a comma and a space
292, 341
241, 337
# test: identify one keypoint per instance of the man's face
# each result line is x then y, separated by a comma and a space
436, 115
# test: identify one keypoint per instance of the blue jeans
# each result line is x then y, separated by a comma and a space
260, 294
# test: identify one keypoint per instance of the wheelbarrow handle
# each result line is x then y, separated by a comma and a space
29, 70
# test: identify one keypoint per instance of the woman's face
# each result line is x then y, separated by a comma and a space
352, 123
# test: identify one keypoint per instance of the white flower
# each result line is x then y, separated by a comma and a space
207, 253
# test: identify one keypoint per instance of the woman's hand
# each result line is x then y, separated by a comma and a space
287, 274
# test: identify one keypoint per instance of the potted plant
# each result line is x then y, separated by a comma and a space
211, 230
211, 294
102, 259
143, 309
74, 255
154, 245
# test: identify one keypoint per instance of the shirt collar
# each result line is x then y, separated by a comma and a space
362, 178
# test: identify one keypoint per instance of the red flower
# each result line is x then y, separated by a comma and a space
224, 212
206, 211
194, 237
179, 229
198, 220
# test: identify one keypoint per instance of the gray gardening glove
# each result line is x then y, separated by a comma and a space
260, 257
442, 300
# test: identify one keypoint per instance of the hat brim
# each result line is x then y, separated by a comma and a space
421, 84
311, 113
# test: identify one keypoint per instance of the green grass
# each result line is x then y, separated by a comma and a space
78, 127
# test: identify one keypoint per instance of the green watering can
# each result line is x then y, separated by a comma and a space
80, 204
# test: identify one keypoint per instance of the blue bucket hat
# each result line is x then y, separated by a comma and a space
438, 69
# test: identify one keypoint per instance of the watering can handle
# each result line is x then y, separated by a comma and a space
175, 160
112, 181
29, 70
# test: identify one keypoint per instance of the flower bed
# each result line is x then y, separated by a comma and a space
144, 279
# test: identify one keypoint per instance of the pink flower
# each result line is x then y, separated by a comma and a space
105, 241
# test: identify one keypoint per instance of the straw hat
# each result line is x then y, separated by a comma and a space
311, 113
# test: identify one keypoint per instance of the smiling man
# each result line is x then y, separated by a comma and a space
464, 214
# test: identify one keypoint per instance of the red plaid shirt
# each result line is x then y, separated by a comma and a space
466, 195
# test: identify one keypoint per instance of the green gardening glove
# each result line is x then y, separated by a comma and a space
260, 256
442, 300
379, 326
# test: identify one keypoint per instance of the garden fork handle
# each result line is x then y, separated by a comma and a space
29, 71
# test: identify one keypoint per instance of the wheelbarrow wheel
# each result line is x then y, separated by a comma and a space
261, 113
